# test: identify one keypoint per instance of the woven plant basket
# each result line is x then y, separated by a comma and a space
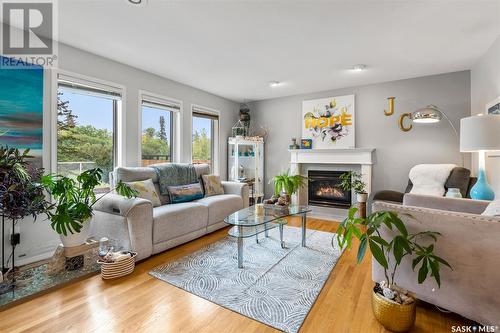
394, 317
114, 270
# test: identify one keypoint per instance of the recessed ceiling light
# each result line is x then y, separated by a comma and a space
137, 2
274, 83
358, 67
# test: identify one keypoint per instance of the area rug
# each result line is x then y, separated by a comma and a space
277, 286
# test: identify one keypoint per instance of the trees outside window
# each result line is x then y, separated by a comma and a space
205, 138
85, 132
156, 137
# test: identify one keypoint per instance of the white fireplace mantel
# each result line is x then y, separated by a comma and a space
354, 156
332, 156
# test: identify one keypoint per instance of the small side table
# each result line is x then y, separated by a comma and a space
362, 210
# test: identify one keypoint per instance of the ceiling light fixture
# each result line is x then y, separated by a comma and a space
137, 2
274, 83
358, 67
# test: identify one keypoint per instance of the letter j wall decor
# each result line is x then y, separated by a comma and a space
329, 122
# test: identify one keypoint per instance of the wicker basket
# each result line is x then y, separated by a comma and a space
114, 270
394, 317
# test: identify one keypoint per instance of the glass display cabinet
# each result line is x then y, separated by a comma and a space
246, 164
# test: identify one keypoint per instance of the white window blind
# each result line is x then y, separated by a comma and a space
83, 86
160, 103
202, 112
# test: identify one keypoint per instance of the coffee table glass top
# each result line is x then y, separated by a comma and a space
249, 217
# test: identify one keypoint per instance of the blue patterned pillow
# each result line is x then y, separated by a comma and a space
185, 193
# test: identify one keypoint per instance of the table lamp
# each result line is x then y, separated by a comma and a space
480, 134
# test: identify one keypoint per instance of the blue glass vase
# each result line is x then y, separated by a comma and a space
481, 190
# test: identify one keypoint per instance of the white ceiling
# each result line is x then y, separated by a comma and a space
234, 48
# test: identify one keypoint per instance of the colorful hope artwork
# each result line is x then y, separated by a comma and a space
329, 122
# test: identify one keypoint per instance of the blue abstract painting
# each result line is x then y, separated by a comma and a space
21, 109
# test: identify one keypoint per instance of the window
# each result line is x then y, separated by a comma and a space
86, 126
205, 137
158, 130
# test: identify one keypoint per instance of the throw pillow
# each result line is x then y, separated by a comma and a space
147, 190
429, 179
185, 193
212, 184
493, 209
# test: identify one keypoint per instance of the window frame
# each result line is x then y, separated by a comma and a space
175, 123
215, 142
119, 112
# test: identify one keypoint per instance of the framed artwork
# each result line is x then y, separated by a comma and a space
306, 144
21, 109
493, 107
329, 122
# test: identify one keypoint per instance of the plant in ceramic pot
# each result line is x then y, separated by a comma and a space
393, 306
354, 181
75, 199
285, 186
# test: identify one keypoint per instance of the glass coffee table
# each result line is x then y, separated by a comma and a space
254, 220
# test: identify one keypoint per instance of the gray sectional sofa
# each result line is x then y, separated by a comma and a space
469, 242
134, 224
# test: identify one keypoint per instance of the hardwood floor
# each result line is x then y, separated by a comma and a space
141, 303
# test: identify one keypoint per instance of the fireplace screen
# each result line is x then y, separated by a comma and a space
324, 189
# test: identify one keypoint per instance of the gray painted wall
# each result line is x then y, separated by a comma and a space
485, 87
37, 239
396, 151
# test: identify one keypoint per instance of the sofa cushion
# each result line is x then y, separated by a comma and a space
220, 206
133, 174
146, 190
212, 185
429, 179
174, 220
185, 193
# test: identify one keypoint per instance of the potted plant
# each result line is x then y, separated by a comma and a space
285, 186
353, 181
20, 193
75, 199
398, 305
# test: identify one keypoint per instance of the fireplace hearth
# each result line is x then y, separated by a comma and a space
324, 189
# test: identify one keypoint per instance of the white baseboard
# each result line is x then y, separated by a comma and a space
28, 260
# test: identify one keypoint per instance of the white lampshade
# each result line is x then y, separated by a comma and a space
480, 133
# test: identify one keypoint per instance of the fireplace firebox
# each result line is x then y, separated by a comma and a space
324, 189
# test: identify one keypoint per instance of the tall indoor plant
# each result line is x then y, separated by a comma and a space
389, 253
21, 195
285, 186
352, 180
75, 199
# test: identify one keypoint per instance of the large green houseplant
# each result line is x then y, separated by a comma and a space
389, 253
75, 199
353, 180
285, 185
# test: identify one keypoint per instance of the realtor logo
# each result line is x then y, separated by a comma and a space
28, 31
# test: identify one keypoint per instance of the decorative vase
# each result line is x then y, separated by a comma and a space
361, 197
482, 190
393, 316
77, 239
453, 193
